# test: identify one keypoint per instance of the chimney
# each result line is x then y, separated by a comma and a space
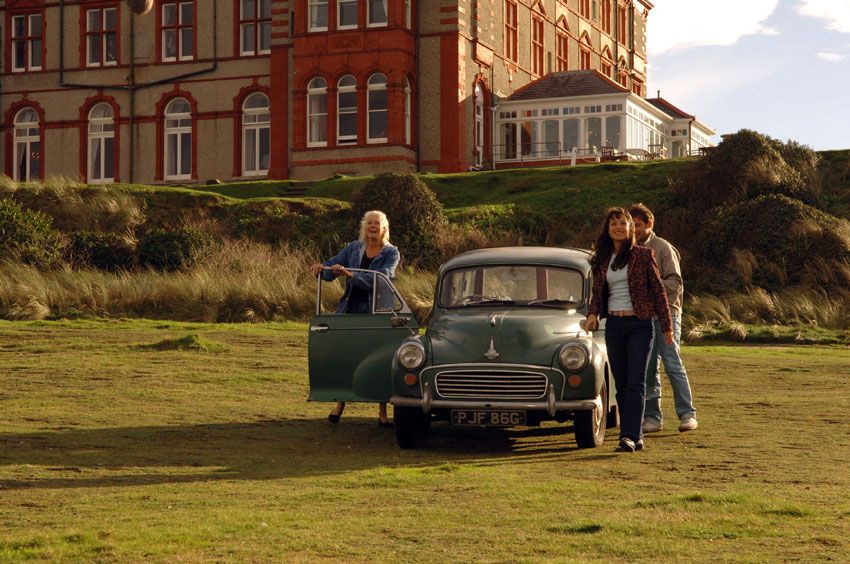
659, 93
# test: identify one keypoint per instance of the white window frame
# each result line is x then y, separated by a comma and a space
28, 41
179, 131
408, 129
100, 129
339, 4
479, 125
375, 88
316, 5
408, 14
179, 56
260, 23
254, 121
369, 22
313, 89
23, 133
102, 33
346, 89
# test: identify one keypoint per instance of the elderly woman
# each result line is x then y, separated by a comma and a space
627, 290
372, 251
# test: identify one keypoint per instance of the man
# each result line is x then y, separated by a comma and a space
671, 276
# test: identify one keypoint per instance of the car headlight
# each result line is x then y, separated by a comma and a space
573, 357
411, 355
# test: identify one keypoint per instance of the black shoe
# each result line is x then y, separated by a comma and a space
385, 424
333, 418
626, 445
639, 445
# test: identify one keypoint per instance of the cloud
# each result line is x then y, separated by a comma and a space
831, 57
836, 13
674, 24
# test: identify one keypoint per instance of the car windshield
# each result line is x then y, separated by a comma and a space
518, 285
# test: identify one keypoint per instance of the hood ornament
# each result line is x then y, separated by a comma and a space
492, 319
492, 353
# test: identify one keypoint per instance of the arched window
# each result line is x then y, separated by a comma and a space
563, 49
178, 140
27, 157
346, 110
101, 158
377, 102
317, 113
585, 52
407, 112
622, 75
479, 124
606, 62
256, 135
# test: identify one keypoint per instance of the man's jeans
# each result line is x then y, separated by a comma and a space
675, 373
629, 343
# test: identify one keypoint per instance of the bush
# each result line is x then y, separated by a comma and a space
774, 241
743, 166
415, 214
27, 236
171, 250
106, 251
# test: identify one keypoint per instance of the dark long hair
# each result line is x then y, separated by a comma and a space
604, 246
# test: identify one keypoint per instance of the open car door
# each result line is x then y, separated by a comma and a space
350, 355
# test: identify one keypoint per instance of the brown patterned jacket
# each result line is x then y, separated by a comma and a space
645, 289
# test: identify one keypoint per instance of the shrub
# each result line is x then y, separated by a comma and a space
106, 251
171, 250
27, 236
743, 166
415, 214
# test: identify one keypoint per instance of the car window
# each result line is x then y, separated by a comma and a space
386, 300
520, 284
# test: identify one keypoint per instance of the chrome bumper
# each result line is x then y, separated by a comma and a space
550, 405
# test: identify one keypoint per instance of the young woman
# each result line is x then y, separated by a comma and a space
627, 290
372, 251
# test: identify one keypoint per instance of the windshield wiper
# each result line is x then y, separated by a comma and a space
554, 302
491, 301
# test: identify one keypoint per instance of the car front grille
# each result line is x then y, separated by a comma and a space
491, 384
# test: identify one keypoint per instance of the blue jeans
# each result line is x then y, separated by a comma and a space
629, 343
675, 371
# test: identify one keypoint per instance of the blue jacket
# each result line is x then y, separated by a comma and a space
349, 257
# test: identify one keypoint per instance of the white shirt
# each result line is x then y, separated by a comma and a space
618, 288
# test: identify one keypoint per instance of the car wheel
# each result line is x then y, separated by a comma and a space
590, 425
412, 427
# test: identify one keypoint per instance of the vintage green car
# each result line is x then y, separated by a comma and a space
503, 348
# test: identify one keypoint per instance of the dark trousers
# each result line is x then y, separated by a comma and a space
629, 342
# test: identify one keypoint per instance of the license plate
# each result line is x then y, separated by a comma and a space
488, 417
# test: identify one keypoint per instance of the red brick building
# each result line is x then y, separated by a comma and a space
201, 89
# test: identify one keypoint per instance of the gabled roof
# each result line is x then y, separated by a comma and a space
669, 108
566, 84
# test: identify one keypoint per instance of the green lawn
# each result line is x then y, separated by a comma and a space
118, 444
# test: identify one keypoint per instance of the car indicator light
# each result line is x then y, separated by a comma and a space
410, 379
574, 381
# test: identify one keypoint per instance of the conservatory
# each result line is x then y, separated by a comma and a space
582, 116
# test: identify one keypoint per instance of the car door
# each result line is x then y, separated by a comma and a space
350, 355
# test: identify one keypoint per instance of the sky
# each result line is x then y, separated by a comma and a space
780, 67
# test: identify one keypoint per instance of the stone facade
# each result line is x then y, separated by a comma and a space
434, 58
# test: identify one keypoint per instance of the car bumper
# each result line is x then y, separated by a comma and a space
549, 404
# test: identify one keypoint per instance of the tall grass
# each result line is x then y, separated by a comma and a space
241, 282
793, 306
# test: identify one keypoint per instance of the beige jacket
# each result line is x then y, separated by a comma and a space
668, 259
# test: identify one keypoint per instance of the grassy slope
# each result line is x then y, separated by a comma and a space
113, 450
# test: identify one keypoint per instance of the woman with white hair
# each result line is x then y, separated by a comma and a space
372, 251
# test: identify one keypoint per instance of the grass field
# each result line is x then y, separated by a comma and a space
131, 440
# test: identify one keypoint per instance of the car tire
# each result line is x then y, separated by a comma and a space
590, 424
412, 427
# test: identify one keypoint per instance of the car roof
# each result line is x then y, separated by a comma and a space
559, 256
